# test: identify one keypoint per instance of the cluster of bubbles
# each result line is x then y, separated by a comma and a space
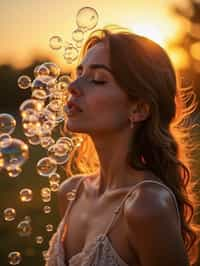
86, 20
40, 115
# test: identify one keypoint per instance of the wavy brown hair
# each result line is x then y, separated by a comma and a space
162, 143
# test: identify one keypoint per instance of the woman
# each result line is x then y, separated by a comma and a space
131, 206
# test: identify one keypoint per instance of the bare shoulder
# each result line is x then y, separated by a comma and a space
65, 187
152, 226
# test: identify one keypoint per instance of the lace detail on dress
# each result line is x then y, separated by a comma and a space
99, 252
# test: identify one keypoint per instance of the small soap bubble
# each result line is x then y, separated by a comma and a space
71, 195
25, 195
5, 140
30, 104
70, 53
24, 82
54, 187
41, 70
45, 194
54, 178
46, 142
24, 228
55, 42
65, 78
78, 35
27, 218
59, 153
34, 140
54, 70
13, 171
46, 166
9, 214
39, 240
87, 18
67, 142
47, 209
39, 94
79, 44
7, 124
14, 258
49, 227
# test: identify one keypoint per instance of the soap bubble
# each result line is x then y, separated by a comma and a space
46, 166
45, 194
47, 209
30, 104
78, 35
87, 18
49, 227
54, 178
14, 155
71, 195
46, 142
39, 94
59, 153
27, 218
67, 142
5, 140
13, 171
26, 194
54, 70
65, 78
14, 258
24, 82
54, 187
39, 240
24, 228
41, 70
9, 214
55, 42
7, 124
70, 54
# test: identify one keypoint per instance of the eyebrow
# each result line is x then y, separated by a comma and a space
95, 66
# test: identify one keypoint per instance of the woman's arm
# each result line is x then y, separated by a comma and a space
153, 228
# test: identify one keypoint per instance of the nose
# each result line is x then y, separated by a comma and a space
74, 88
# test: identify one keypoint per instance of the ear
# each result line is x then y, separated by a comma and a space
139, 112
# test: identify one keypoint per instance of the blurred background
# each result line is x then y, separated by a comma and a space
26, 27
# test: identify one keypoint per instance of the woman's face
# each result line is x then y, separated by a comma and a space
104, 105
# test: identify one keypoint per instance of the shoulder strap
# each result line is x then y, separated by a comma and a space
117, 210
69, 206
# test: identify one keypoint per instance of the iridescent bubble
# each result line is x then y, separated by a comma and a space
54, 178
41, 70
9, 214
67, 142
78, 35
7, 124
24, 228
14, 258
15, 154
46, 166
54, 187
13, 171
45, 194
39, 240
54, 70
70, 54
26, 195
87, 18
47, 209
24, 82
55, 42
5, 140
59, 153
46, 142
71, 195
30, 104
49, 227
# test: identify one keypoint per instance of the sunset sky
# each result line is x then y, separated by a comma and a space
27, 25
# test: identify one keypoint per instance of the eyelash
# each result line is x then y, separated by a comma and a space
98, 81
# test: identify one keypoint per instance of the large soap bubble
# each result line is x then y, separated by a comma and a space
14, 155
7, 123
87, 18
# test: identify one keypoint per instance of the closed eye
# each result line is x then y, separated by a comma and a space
98, 81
